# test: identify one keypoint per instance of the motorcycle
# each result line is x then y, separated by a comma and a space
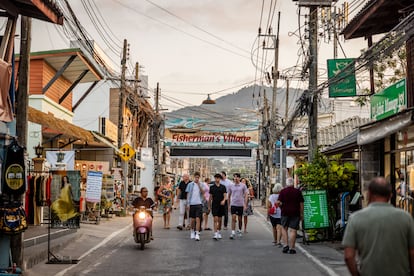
142, 223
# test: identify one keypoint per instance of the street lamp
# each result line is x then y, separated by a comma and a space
208, 100
39, 150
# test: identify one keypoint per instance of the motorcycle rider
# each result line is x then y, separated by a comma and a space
144, 200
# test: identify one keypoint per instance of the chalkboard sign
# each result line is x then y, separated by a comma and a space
315, 209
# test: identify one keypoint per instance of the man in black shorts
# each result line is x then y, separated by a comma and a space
238, 195
217, 202
195, 195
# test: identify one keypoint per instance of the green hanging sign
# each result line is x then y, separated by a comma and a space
389, 101
342, 81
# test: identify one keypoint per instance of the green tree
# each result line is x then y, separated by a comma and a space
330, 174
386, 72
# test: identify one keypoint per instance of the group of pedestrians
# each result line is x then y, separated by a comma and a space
198, 198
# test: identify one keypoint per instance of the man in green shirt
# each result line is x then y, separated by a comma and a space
382, 235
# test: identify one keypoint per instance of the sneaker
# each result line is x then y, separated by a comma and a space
197, 237
215, 236
225, 228
279, 245
179, 227
232, 236
219, 236
285, 249
292, 251
239, 233
193, 235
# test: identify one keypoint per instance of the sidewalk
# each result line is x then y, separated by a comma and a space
35, 241
327, 255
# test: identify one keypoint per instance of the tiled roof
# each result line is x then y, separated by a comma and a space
328, 136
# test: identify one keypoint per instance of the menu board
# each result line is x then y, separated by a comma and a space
315, 209
94, 186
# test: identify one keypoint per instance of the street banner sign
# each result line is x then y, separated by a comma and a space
389, 101
126, 152
346, 86
315, 213
94, 186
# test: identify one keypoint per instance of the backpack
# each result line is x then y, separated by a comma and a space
273, 209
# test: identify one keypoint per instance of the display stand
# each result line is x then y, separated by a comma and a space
52, 258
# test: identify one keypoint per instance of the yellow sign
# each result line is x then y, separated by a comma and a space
126, 152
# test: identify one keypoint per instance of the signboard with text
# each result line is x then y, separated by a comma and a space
341, 75
320, 3
389, 101
94, 186
315, 213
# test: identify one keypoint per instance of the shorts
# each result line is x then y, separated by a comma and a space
275, 221
218, 210
196, 211
236, 210
205, 207
291, 222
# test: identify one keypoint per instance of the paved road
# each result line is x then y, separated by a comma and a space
173, 253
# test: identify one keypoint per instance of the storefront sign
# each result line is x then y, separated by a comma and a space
315, 213
61, 160
343, 81
94, 186
389, 101
210, 140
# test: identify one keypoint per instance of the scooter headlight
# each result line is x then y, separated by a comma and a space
141, 215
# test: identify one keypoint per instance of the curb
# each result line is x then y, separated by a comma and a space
38, 252
329, 271
43, 238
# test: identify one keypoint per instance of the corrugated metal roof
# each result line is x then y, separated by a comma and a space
328, 136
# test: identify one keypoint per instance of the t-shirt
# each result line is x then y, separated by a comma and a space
226, 182
291, 199
182, 186
382, 235
273, 198
206, 191
237, 194
195, 198
139, 201
217, 192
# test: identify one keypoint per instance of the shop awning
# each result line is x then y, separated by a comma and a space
104, 140
347, 143
54, 126
380, 129
45, 10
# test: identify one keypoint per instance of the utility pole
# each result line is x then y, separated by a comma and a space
266, 148
271, 120
313, 82
22, 99
157, 133
122, 93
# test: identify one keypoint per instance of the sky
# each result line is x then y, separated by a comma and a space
192, 47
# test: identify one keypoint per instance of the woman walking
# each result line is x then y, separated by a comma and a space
165, 195
249, 209
275, 214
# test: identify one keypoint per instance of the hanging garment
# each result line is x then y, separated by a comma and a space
63, 207
6, 111
14, 180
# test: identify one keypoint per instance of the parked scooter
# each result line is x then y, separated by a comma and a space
142, 223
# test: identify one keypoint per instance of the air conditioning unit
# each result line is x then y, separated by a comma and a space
321, 3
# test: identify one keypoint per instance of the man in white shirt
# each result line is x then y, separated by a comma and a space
195, 193
226, 182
